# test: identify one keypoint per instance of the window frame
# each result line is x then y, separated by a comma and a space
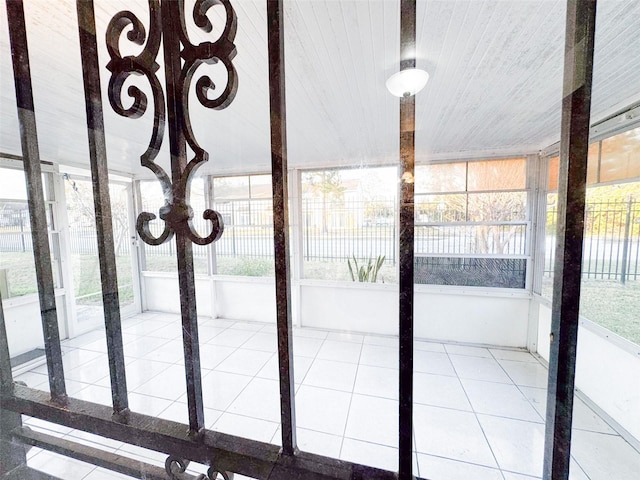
527, 223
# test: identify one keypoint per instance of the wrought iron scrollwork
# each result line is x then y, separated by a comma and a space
213, 474
176, 212
176, 467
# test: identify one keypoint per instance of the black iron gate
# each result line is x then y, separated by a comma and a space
225, 454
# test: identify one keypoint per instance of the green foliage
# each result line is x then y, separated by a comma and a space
21, 273
608, 303
325, 184
607, 208
246, 266
368, 272
86, 273
379, 209
239, 266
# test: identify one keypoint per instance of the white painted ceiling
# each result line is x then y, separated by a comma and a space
495, 86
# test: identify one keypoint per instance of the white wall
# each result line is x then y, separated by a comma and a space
457, 315
497, 317
369, 308
162, 293
606, 371
466, 315
245, 298
236, 298
24, 322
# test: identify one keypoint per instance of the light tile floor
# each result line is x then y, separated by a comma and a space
479, 412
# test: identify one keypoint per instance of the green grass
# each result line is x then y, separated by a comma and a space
21, 275
169, 263
21, 272
609, 304
246, 266
87, 284
241, 266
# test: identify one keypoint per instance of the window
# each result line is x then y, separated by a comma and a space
472, 223
246, 206
17, 266
162, 258
610, 292
349, 222
83, 241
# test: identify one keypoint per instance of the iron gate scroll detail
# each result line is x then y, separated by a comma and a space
177, 214
167, 26
176, 468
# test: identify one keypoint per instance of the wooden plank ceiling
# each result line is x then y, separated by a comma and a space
495, 86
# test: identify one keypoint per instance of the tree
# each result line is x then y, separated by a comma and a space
325, 184
81, 210
496, 207
490, 193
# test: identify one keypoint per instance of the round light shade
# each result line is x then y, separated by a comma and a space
407, 82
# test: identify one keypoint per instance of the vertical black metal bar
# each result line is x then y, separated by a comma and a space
233, 228
590, 253
636, 263
574, 145
626, 241
35, 195
613, 237
277, 105
595, 267
24, 247
102, 203
184, 248
406, 230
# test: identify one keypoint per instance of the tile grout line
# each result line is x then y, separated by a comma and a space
529, 402
226, 410
475, 415
293, 340
521, 393
355, 378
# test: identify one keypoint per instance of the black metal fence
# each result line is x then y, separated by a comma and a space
611, 247
248, 230
471, 272
339, 230
15, 230
334, 231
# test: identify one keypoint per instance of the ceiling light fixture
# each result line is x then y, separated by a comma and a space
407, 82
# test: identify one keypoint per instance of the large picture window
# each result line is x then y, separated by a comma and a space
610, 292
349, 224
472, 223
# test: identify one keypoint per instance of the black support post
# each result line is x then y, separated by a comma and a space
171, 14
574, 145
35, 195
275, 18
406, 250
102, 203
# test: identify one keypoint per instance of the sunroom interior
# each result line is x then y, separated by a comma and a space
487, 166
